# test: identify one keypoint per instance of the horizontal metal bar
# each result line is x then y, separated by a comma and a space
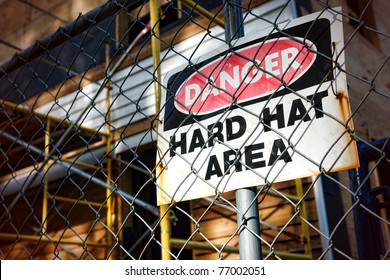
204, 12
27, 111
262, 222
71, 200
191, 245
79, 163
44, 238
275, 193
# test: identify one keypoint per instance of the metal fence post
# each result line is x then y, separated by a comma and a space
368, 236
165, 226
248, 215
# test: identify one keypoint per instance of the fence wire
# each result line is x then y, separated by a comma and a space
87, 141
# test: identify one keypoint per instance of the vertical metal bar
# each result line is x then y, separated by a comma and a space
108, 162
294, 9
234, 25
322, 215
156, 48
165, 227
248, 214
354, 181
360, 186
46, 186
303, 214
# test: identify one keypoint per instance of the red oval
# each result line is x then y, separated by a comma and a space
215, 86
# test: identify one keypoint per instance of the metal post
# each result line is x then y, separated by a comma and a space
248, 236
165, 226
46, 186
360, 220
109, 221
366, 229
248, 214
234, 25
322, 216
303, 214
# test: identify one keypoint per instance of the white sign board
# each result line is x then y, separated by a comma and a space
273, 108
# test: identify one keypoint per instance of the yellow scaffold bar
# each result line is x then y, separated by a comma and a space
78, 201
46, 186
278, 194
44, 238
191, 245
303, 214
109, 222
155, 30
28, 111
198, 8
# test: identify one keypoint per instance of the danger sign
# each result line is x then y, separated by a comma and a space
270, 62
273, 108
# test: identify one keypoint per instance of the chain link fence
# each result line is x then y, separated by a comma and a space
108, 151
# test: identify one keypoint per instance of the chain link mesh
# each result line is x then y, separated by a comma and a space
80, 164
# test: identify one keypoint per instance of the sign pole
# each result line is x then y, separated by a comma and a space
246, 199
